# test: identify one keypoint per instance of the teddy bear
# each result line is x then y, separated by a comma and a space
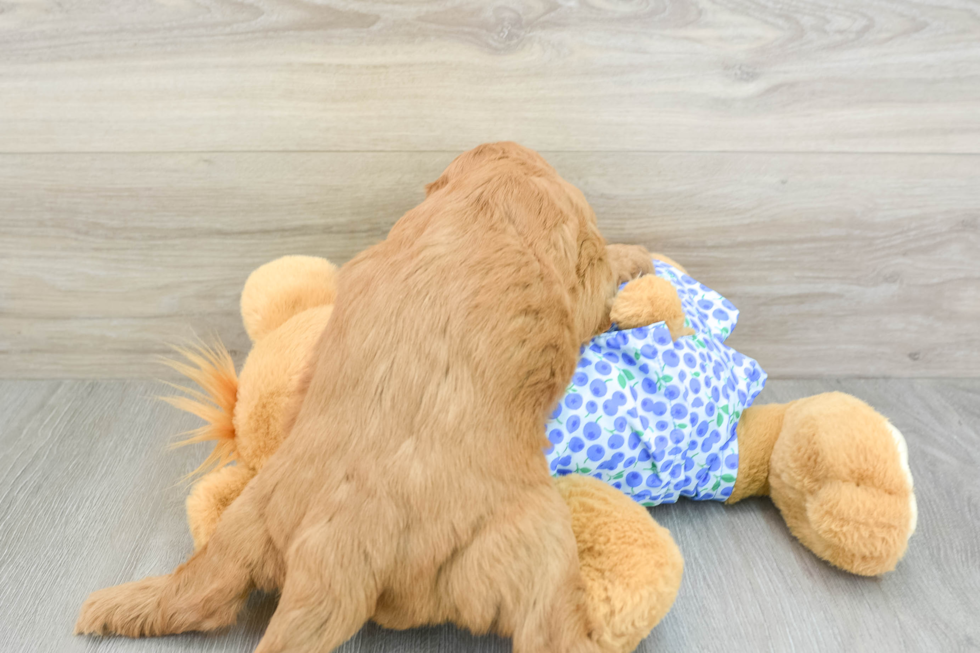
676, 419
661, 407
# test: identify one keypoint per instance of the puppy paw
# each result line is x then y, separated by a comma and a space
629, 261
130, 609
647, 300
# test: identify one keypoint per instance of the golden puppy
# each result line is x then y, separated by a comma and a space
413, 487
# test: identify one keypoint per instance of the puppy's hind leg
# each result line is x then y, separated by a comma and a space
204, 593
554, 615
330, 590
520, 577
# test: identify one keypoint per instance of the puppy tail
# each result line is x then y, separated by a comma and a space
210, 367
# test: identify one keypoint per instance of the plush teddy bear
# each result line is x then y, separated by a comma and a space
661, 407
835, 468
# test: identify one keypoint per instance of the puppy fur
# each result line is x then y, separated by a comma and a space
413, 488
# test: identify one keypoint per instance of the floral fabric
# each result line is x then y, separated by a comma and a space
656, 418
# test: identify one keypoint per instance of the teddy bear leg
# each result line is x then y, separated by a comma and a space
209, 498
758, 430
838, 472
631, 566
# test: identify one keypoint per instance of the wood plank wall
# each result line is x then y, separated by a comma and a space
818, 162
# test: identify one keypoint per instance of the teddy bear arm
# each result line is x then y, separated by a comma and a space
758, 430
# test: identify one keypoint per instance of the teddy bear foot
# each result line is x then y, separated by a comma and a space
839, 474
630, 564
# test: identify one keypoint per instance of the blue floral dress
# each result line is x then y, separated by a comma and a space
656, 418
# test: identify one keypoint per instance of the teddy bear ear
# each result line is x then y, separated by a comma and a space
283, 288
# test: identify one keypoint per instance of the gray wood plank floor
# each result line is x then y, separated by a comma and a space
91, 496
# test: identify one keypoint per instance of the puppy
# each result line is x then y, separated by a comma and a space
413, 487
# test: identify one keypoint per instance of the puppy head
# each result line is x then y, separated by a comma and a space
481, 156
552, 217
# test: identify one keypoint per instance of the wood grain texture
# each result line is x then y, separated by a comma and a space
841, 264
89, 496
665, 75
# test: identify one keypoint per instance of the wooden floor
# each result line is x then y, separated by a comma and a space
816, 161
90, 496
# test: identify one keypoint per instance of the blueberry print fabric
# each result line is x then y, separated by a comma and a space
656, 418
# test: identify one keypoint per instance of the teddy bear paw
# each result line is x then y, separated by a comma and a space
840, 476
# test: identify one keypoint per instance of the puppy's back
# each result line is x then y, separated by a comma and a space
448, 343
